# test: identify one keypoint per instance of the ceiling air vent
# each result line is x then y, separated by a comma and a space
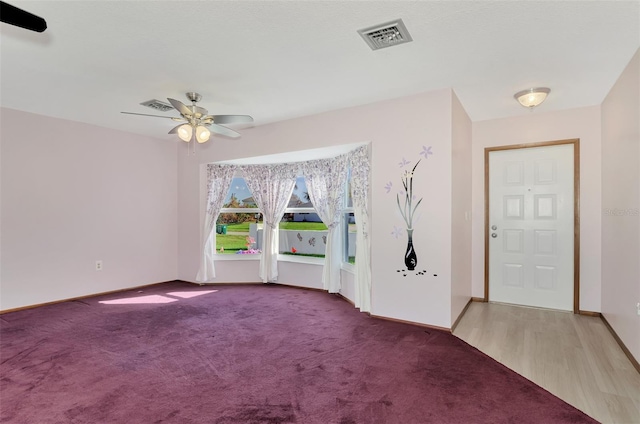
157, 105
386, 35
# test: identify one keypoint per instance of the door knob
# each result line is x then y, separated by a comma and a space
493, 227
494, 235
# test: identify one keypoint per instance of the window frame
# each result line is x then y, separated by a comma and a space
345, 211
312, 260
254, 210
345, 214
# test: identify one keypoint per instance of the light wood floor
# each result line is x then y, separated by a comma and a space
574, 357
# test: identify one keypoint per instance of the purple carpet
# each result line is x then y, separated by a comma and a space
179, 353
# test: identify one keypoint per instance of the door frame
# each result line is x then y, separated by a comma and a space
576, 211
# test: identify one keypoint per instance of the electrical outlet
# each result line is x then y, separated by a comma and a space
98, 265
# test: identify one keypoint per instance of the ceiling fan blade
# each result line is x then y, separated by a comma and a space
231, 119
199, 110
180, 107
14, 16
219, 129
174, 130
174, 118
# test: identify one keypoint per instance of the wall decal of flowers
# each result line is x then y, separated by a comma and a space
426, 151
408, 203
407, 209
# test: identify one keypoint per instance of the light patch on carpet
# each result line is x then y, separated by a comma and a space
155, 298
190, 294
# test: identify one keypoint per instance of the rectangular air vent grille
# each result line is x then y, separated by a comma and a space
157, 105
386, 35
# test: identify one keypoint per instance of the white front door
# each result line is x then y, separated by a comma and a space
531, 226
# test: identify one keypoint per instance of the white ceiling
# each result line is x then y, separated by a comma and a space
277, 60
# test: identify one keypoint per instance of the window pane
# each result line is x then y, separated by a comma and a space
302, 233
300, 196
241, 236
237, 232
350, 225
350, 237
239, 195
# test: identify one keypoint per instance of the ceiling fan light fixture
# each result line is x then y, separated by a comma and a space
532, 97
197, 124
202, 134
185, 132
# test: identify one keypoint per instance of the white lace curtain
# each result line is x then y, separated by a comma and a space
218, 181
271, 187
326, 179
360, 169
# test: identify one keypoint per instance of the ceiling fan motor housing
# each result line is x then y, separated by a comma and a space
193, 96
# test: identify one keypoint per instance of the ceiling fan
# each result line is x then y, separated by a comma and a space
197, 123
21, 18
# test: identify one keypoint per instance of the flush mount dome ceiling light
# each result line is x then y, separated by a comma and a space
532, 97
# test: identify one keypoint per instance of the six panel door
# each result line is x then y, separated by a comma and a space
531, 226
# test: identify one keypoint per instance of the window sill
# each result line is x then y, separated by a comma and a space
284, 258
237, 257
301, 259
350, 268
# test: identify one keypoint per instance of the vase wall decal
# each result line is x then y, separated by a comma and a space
407, 209
410, 257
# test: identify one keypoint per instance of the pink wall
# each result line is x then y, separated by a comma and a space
396, 129
582, 123
81, 193
621, 206
74, 193
460, 210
